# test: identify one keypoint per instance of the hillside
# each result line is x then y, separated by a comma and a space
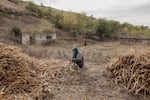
16, 15
31, 18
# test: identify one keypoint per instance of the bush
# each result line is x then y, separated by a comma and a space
16, 34
16, 30
45, 12
82, 22
106, 28
103, 29
34, 8
69, 21
57, 20
47, 30
3, 13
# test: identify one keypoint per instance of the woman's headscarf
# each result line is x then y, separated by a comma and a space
76, 52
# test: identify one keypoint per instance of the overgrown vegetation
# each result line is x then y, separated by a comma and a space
16, 30
47, 30
44, 27
3, 13
86, 25
39, 11
70, 21
105, 28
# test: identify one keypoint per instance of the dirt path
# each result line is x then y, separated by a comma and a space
90, 84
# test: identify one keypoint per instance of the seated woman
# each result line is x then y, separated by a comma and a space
77, 58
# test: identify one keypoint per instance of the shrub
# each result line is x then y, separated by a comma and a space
46, 12
81, 22
3, 13
47, 30
34, 8
69, 21
16, 34
16, 30
57, 20
103, 29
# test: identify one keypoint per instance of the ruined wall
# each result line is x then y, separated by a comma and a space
40, 39
54, 36
25, 39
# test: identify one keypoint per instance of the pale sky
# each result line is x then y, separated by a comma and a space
136, 12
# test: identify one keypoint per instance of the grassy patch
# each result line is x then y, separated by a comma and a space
44, 12
3, 13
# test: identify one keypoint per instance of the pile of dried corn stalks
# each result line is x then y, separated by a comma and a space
133, 71
16, 74
26, 77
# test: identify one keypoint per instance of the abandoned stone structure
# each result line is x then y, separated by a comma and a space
42, 38
25, 39
38, 38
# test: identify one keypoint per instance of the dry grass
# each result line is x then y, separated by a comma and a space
95, 53
101, 52
17, 7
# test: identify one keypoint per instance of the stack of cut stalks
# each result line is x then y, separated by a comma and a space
133, 71
22, 76
16, 75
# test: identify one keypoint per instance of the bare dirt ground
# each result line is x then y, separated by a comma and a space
18, 7
88, 83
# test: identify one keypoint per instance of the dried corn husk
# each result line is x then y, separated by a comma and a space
133, 71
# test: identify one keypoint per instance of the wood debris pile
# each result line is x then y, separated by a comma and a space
16, 75
133, 71
22, 76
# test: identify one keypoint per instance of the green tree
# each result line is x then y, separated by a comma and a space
81, 22
128, 26
69, 21
103, 28
115, 26
57, 20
